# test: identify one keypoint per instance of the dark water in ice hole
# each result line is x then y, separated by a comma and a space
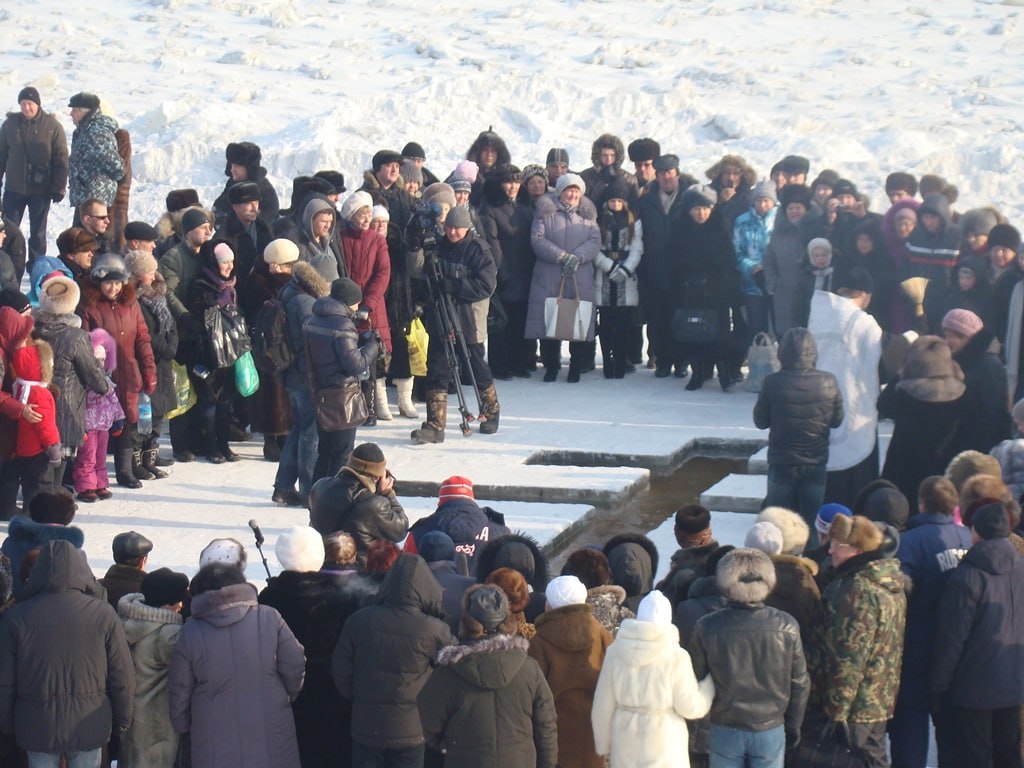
646, 511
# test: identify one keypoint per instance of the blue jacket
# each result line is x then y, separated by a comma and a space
979, 656
470, 526
750, 235
930, 550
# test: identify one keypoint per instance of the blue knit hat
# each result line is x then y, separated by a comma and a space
436, 547
827, 514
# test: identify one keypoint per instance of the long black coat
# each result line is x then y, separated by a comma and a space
385, 654
506, 227
163, 336
315, 606
987, 396
64, 684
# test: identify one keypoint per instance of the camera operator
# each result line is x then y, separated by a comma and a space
339, 358
469, 278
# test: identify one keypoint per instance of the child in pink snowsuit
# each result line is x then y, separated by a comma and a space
101, 413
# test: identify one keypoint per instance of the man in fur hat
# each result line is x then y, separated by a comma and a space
243, 164
751, 714
858, 648
245, 228
642, 153
607, 155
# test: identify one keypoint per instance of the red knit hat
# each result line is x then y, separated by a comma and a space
455, 487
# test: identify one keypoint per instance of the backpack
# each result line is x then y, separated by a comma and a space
270, 350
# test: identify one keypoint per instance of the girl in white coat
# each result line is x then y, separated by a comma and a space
646, 692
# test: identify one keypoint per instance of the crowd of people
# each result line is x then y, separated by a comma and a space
452, 643
295, 322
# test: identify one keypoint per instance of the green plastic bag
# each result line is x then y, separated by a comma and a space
247, 378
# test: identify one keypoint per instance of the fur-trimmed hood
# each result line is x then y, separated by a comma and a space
607, 141
34, 365
309, 280
516, 551
745, 576
141, 620
490, 664
795, 531
748, 176
102, 337
634, 560
371, 185
489, 138
796, 560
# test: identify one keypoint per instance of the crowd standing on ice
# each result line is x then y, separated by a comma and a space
295, 322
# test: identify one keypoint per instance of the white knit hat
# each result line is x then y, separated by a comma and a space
570, 180
300, 549
565, 590
355, 203
655, 608
380, 212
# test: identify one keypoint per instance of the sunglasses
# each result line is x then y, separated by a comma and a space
101, 218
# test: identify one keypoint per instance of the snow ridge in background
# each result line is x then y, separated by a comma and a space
864, 88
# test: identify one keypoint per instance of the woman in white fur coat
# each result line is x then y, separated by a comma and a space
647, 691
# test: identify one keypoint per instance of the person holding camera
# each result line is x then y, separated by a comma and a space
469, 278
339, 358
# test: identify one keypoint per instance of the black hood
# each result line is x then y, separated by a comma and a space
60, 568
798, 350
634, 561
519, 552
410, 584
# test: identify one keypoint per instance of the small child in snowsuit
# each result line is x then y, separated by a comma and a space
102, 412
38, 449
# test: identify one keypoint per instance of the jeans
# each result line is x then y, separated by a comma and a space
333, 450
299, 454
14, 206
799, 487
90, 759
736, 748
757, 316
374, 757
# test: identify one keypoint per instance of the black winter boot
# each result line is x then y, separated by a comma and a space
491, 410
432, 430
123, 459
150, 454
138, 468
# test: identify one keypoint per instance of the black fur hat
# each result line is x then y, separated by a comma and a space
180, 199
334, 178
243, 153
517, 551
589, 566
642, 150
795, 193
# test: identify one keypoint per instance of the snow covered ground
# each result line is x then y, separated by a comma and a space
865, 88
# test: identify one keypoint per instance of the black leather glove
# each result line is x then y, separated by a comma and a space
365, 337
57, 197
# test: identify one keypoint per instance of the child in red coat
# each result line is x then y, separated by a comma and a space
37, 448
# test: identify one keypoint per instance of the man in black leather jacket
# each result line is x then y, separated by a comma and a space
799, 405
755, 657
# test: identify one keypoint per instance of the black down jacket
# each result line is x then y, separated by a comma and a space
799, 404
385, 653
506, 227
66, 674
332, 343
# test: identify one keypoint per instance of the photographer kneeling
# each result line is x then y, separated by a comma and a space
339, 358
469, 278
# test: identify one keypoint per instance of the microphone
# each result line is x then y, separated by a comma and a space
257, 532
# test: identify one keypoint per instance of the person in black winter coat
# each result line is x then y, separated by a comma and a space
799, 405
469, 277
459, 516
66, 691
968, 289
978, 651
520, 553
634, 561
692, 530
506, 226
972, 344
315, 605
360, 500
243, 164
929, 408
384, 657
339, 357
934, 245
704, 269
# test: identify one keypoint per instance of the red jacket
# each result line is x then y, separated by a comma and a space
369, 266
34, 363
122, 319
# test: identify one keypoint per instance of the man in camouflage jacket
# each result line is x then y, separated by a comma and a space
859, 645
